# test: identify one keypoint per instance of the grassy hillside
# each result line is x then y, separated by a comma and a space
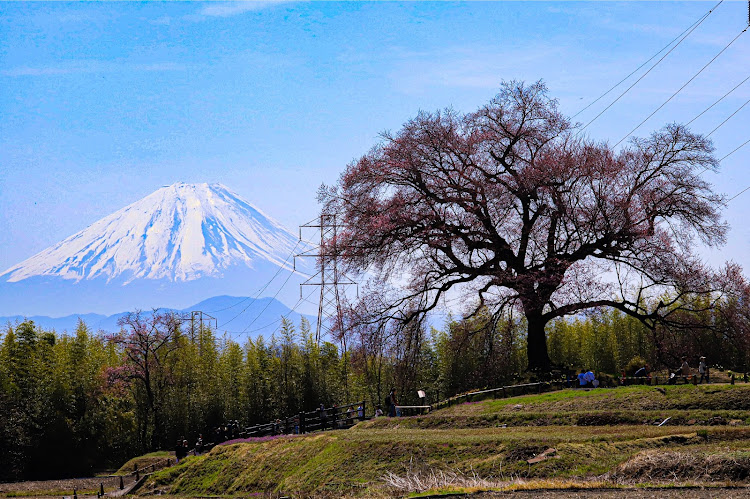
449, 449
158, 458
686, 404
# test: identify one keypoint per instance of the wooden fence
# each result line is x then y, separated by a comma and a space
502, 392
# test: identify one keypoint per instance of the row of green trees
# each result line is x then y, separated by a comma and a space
105, 398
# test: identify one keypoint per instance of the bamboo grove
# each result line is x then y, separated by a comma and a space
104, 398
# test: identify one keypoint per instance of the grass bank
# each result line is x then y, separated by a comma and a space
158, 458
572, 443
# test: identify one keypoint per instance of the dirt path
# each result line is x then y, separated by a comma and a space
681, 493
63, 487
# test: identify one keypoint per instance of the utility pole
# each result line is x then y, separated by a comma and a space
328, 276
202, 316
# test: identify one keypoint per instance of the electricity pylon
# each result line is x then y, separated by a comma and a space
329, 277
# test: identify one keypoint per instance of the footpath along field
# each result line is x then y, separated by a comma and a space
605, 438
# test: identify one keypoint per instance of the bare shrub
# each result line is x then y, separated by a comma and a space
681, 466
422, 480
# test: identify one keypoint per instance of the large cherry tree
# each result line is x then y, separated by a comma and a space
509, 205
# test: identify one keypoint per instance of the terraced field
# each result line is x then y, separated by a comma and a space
605, 438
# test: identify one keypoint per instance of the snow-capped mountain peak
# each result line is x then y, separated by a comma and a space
180, 232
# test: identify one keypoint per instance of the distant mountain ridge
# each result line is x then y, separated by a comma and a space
238, 316
181, 244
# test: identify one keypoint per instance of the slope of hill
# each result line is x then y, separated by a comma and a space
397, 458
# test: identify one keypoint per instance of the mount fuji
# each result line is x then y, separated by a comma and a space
182, 244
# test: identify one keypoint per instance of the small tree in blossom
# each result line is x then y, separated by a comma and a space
509, 206
148, 341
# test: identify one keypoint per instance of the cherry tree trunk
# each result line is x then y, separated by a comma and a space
537, 343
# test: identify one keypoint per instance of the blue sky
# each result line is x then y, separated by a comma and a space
103, 103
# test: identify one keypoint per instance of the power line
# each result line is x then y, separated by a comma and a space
693, 28
725, 157
250, 304
721, 99
738, 194
276, 321
281, 267
730, 116
642, 65
735, 150
269, 301
682, 87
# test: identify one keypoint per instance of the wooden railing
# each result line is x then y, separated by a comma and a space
336, 417
136, 475
502, 392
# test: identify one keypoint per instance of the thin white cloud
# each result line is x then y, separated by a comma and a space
228, 9
161, 21
91, 66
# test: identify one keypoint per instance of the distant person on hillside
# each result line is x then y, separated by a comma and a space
641, 373
685, 368
582, 379
179, 452
378, 411
391, 403
703, 369
199, 445
323, 415
361, 412
591, 380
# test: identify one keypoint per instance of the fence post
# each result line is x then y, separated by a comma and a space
137, 476
505, 395
732, 380
301, 422
122, 485
75, 493
364, 410
101, 488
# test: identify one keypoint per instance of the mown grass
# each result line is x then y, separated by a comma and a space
597, 435
645, 398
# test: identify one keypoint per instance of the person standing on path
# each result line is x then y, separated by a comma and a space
323, 415
685, 368
703, 369
393, 402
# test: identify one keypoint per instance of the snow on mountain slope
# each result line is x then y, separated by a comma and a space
181, 232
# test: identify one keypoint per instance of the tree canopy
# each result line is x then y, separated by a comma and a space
512, 205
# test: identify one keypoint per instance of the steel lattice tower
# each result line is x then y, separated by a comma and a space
328, 277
